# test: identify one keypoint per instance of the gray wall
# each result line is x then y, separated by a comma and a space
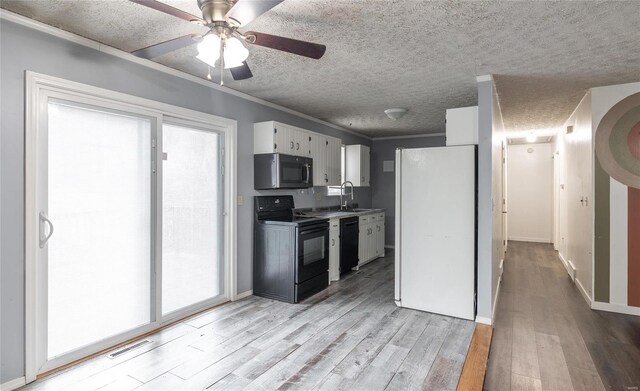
24, 49
383, 185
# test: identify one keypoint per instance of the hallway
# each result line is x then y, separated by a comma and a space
545, 336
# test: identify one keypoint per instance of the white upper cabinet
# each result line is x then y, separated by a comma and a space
462, 126
325, 152
276, 137
334, 161
357, 164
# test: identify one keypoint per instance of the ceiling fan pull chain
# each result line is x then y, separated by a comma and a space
223, 42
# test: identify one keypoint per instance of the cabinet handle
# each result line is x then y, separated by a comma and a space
333, 242
362, 179
297, 146
378, 228
292, 145
275, 146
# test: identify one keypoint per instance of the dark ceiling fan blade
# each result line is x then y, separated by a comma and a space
290, 45
242, 72
167, 46
244, 11
167, 9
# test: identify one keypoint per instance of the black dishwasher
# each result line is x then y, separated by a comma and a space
349, 236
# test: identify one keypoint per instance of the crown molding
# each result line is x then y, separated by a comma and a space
408, 136
71, 37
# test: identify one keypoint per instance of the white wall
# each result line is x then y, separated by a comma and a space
575, 183
491, 138
530, 188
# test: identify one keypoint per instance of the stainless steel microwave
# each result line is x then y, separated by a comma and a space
279, 171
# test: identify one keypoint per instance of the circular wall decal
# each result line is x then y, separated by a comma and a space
617, 141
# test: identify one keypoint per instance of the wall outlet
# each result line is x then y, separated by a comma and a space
240, 200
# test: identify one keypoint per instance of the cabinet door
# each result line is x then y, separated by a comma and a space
280, 139
365, 166
334, 252
372, 244
318, 154
334, 161
300, 142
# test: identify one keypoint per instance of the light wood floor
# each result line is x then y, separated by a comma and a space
351, 337
546, 337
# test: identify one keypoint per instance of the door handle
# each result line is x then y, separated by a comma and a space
44, 238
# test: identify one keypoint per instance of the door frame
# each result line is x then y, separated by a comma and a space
38, 87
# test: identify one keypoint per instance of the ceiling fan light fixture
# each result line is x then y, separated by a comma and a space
234, 51
396, 113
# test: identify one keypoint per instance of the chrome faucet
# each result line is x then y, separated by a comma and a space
342, 189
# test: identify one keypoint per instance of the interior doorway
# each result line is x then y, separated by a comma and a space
530, 192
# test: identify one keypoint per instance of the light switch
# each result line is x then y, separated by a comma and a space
240, 200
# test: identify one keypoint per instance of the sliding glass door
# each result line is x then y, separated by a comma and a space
129, 223
99, 217
192, 229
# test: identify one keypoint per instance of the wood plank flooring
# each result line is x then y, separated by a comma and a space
475, 365
349, 337
546, 337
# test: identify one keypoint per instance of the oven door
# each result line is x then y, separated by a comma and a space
313, 251
294, 172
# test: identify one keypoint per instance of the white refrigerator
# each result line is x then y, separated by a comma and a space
435, 242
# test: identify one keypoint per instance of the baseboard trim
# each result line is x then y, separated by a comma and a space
495, 299
483, 320
525, 239
584, 293
619, 308
568, 268
13, 384
243, 294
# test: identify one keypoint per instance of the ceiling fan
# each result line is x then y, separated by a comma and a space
222, 45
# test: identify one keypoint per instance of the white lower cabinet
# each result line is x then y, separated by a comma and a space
334, 250
371, 240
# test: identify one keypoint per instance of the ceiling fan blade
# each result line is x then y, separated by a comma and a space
290, 45
244, 11
167, 46
242, 72
167, 9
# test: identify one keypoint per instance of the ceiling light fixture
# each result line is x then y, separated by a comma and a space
531, 138
233, 51
396, 113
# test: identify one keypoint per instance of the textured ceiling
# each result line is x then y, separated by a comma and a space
419, 55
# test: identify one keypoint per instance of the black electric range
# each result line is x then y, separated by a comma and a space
290, 253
